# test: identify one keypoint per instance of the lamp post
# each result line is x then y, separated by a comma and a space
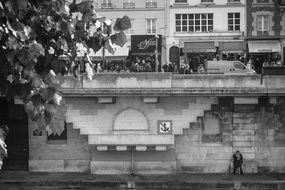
156, 52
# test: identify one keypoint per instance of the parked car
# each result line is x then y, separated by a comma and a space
227, 67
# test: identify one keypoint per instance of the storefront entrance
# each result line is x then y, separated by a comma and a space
18, 138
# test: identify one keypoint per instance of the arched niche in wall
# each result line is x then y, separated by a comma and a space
131, 119
174, 55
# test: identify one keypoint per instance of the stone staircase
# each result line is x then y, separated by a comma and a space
244, 135
238, 131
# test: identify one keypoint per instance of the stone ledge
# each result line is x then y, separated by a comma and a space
132, 139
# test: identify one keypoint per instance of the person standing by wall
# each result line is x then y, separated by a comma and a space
238, 162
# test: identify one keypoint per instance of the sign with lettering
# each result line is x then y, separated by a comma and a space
37, 133
145, 43
165, 127
264, 50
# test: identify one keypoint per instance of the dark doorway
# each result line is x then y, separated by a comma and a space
18, 138
174, 55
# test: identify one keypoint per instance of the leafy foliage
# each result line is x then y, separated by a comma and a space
33, 34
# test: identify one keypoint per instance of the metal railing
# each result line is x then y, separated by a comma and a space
129, 5
106, 5
151, 4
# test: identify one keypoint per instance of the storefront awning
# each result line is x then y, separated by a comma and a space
267, 46
196, 47
232, 47
120, 54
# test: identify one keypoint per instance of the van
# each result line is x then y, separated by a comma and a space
227, 67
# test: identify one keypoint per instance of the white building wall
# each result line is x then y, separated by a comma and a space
220, 10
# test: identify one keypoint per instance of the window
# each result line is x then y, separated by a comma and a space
106, 4
58, 139
239, 65
207, 1
282, 2
233, 1
131, 30
180, 1
262, 1
150, 26
129, 4
234, 21
262, 23
194, 22
151, 4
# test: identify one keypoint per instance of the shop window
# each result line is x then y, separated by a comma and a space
262, 23
180, 1
262, 1
207, 1
106, 4
234, 21
151, 26
233, 1
194, 22
58, 139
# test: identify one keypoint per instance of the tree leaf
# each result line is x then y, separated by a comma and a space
83, 6
123, 23
36, 49
24, 56
57, 123
119, 39
47, 93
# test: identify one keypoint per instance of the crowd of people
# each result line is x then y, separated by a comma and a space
185, 66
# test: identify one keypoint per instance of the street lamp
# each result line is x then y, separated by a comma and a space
156, 52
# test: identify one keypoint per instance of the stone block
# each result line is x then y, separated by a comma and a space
244, 120
110, 167
158, 167
106, 100
121, 148
141, 148
160, 148
243, 114
250, 166
246, 107
150, 100
245, 100
244, 132
244, 126
102, 148
77, 166
244, 138
243, 144
46, 165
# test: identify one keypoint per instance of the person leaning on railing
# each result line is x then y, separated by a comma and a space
3, 147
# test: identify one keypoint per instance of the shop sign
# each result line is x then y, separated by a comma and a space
164, 126
145, 43
264, 50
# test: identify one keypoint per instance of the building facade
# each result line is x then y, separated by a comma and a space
206, 29
265, 32
148, 17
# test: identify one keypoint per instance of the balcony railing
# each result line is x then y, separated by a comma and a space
151, 4
151, 31
106, 5
129, 5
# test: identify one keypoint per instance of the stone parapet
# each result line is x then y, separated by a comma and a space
165, 84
